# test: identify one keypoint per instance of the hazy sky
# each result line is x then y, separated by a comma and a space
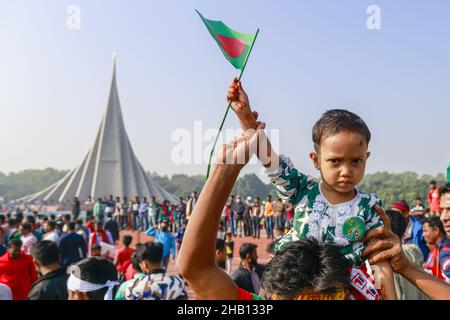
309, 56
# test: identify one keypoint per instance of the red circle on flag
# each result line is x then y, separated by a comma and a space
234, 47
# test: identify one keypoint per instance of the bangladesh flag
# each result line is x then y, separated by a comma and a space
235, 45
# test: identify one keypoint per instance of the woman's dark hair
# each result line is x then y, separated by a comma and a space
336, 121
306, 265
97, 270
45, 252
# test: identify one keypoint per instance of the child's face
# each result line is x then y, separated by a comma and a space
341, 161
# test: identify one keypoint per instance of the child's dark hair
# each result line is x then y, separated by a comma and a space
336, 121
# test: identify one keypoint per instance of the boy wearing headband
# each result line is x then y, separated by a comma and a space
92, 279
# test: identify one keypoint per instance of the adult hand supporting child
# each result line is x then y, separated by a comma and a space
384, 245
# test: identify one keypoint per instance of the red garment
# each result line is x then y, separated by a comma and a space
244, 295
90, 226
18, 274
130, 272
434, 199
122, 256
289, 211
94, 236
165, 209
438, 262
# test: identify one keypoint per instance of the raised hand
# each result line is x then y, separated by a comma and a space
241, 105
383, 244
240, 150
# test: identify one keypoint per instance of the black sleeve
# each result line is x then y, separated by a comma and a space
35, 293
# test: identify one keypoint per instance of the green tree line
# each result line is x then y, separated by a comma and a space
389, 186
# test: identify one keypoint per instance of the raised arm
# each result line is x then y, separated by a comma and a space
196, 259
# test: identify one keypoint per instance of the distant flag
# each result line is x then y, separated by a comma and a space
236, 46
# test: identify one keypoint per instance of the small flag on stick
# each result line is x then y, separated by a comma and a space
236, 47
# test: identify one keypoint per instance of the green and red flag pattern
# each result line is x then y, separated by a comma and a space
234, 45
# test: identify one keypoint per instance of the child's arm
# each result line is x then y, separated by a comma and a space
384, 279
286, 179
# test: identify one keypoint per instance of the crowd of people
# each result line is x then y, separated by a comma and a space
340, 234
328, 240
66, 257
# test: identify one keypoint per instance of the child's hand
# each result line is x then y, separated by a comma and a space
241, 105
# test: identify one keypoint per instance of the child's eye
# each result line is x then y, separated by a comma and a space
357, 161
333, 161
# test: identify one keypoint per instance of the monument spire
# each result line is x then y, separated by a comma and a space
110, 166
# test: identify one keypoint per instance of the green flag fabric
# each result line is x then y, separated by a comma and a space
234, 45
448, 174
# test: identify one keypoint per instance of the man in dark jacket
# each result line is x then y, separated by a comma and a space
76, 208
72, 246
52, 285
112, 226
249, 274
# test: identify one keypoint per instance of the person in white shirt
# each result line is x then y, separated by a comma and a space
28, 238
98, 236
50, 232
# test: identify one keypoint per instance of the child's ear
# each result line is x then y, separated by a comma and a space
315, 159
367, 155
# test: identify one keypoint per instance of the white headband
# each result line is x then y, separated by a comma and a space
76, 284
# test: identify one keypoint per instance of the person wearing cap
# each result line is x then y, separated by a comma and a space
92, 279
413, 232
401, 206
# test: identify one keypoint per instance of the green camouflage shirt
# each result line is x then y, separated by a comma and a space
343, 224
